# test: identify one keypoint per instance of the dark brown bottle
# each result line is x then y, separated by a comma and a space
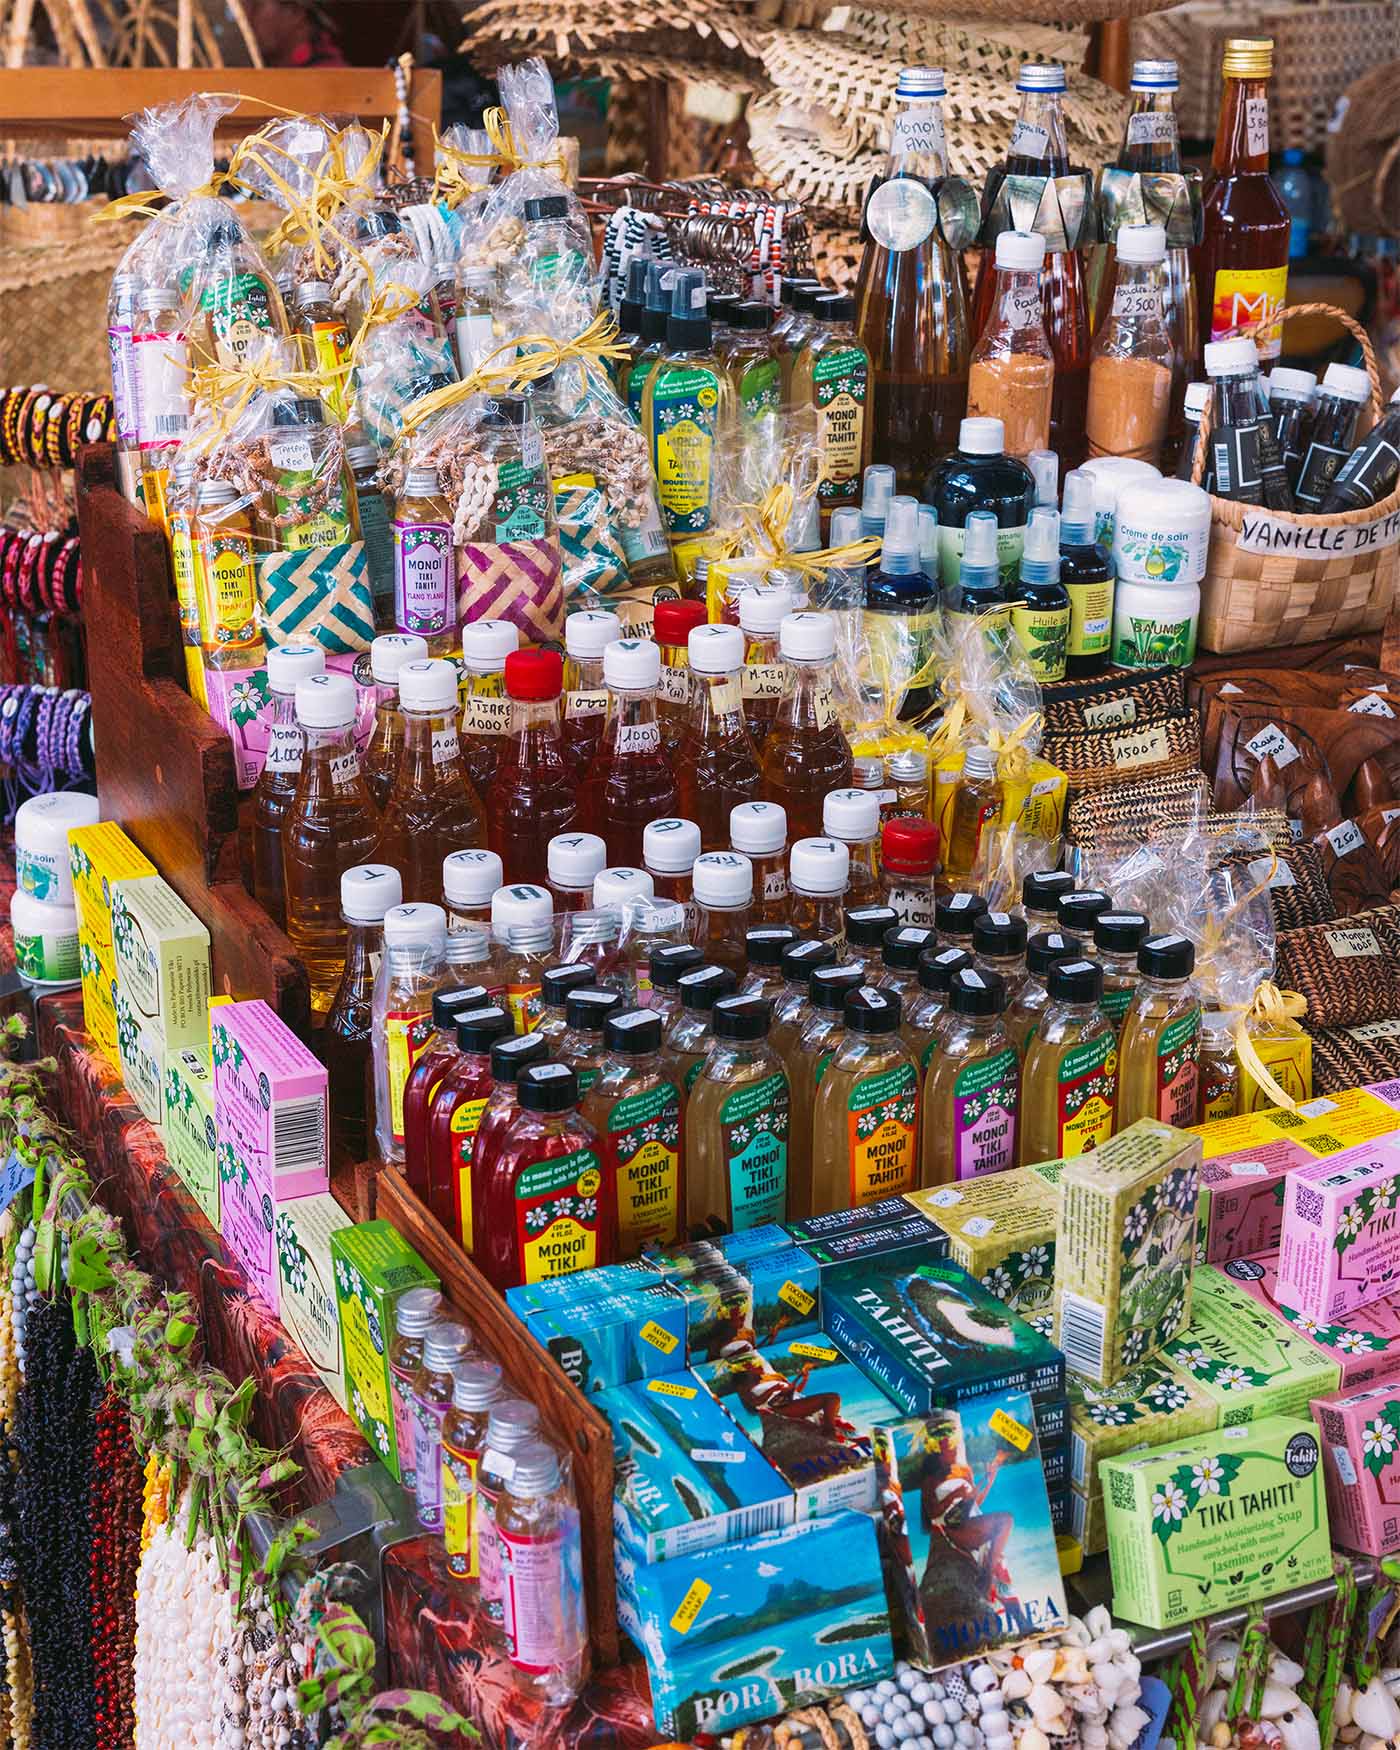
1244, 452
1343, 396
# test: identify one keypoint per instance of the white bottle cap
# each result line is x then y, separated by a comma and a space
369, 891
1020, 251
621, 886
1045, 471
1141, 244
632, 664
1231, 358
1196, 394
715, 649
1110, 474
982, 435
588, 633
428, 685
486, 644
758, 828
1346, 381
521, 905
326, 701
762, 611
471, 877
1292, 384
821, 866
852, 815
670, 847
44, 822
287, 663
807, 637
389, 653
574, 858
723, 880
415, 923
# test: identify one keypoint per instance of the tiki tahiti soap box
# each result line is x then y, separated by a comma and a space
162, 958
1001, 1229
1154, 1405
1323, 1126
1242, 1199
1341, 1232
1125, 1248
1361, 1455
1232, 1517
1365, 1344
636, 1334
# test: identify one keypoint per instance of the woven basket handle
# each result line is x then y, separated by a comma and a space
1354, 328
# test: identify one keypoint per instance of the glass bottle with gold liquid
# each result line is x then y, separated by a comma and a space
806, 754
387, 655
688, 1033
1041, 891
865, 1122
737, 1125
792, 1006
899, 961
759, 831
486, 711
432, 809
425, 563
277, 782
1160, 1040
226, 578
930, 1002
666, 967
1028, 1004
683, 411
723, 888
715, 763
832, 376
1218, 1069
635, 1105
807, 1061
522, 925
1117, 937
999, 945
818, 870
1069, 1078
977, 805
852, 817
972, 1085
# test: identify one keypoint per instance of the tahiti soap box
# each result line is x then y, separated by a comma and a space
1365, 1345
162, 958
1154, 1405
1322, 1126
1242, 1199
1361, 1456
1341, 1232
306, 1275
1001, 1229
99, 856
141, 1057
1232, 1517
190, 1137
636, 1334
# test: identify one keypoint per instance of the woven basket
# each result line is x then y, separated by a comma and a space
1136, 808
1194, 37
1363, 156
1319, 50
1343, 987
74, 278
1299, 894
1342, 1060
1141, 695
1096, 759
1254, 600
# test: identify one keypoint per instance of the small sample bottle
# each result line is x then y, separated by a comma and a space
367, 893
477, 1387
716, 765
759, 831
1041, 893
806, 755
1086, 572
469, 883
486, 711
1040, 609
792, 1006
930, 1003
668, 965
1134, 360
736, 1125
533, 795
1069, 1079
806, 1064
669, 850
473, 322
430, 1063
387, 655
454, 1116
540, 1542
587, 635
955, 915
277, 782
1117, 937
376, 529
1217, 1068
415, 1313
635, 1104
1244, 454
977, 806
1012, 375
1342, 396
522, 922
971, 1086
865, 927
1369, 473
818, 876
1077, 912
853, 818
672, 624
432, 809
979, 475
513, 1424
999, 945
581, 1043
1292, 395
425, 566
723, 888
763, 948
1025, 1009
1160, 1040
444, 1347
900, 953
410, 974
908, 860
688, 1032
766, 676
865, 1122
509, 1059
573, 860
630, 781
906, 774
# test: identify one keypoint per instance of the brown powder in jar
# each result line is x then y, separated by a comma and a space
1129, 405
1016, 390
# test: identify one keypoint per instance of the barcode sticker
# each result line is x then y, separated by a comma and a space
299, 1136
1078, 1457
1346, 838
1370, 705
1083, 1334
1272, 743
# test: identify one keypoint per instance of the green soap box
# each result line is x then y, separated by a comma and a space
141, 1058
1001, 1228
190, 1140
1154, 1405
303, 1231
162, 956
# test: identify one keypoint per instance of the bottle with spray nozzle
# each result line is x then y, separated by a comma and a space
901, 611
1086, 571
1040, 613
980, 591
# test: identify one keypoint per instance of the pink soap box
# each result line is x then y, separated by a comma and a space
1340, 1246
270, 1131
1244, 1211
1361, 1463
1366, 1344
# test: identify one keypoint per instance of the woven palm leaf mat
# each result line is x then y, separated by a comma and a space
703, 30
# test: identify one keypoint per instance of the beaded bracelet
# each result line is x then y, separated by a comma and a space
53, 430
28, 567
30, 441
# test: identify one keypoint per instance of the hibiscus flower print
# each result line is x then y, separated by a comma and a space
1169, 1504
1353, 1219
1378, 1438
1207, 1476
1356, 1342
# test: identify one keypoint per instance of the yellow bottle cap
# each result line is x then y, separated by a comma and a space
1248, 57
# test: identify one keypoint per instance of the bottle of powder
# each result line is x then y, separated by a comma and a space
1013, 369
1130, 373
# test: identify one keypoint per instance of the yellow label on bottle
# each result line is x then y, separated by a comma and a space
1010, 1429
1044, 636
466, 1121
405, 1034
668, 1388
330, 341
1085, 1093
459, 1510
232, 595
791, 1294
690, 1606
194, 673
683, 468
660, 1339
1245, 295
182, 563
523, 1002
813, 1352
840, 434
1091, 622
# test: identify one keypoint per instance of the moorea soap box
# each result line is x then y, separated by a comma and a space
1341, 1232
1361, 1456
1365, 1344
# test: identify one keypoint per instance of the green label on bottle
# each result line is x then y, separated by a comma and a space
760, 389
1044, 636
1009, 545
1115, 1004
1090, 618
1178, 1054
754, 1126
684, 418
239, 310
1144, 641
522, 500
840, 387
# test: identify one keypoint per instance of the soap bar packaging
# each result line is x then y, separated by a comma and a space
1125, 1249
306, 1281
1001, 1228
1232, 1517
141, 1059
1246, 1358
372, 1266
836, 1222
1154, 1405
1321, 1127
910, 1232
1242, 1198
162, 958
1361, 1456
99, 985
578, 1287
775, 1295
759, 1628
190, 1137
99, 856
1365, 1344
623, 1337
1340, 1247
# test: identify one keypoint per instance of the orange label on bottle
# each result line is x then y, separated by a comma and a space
1244, 295
882, 1129
406, 1032
523, 1001
466, 1121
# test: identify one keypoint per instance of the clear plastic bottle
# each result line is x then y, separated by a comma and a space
1086, 571
1023, 1014
630, 781
1040, 609
853, 818
509, 1059
999, 945
595, 939
955, 916
1244, 452
277, 782
903, 947
1117, 937
225, 569
587, 634
1134, 363
533, 795
367, 893
737, 1125
635, 1105
806, 755
716, 764
864, 928
556, 982
513, 1424
387, 655
376, 529
759, 831
473, 321
330, 826
622, 889
669, 849
486, 711
454, 1116
430, 1063
425, 567
865, 1119
432, 809
415, 1313
656, 305
722, 882
930, 1003
410, 974
766, 676
160, 363
469, 880
672, 624
1076, 913
688, 1031
477, 1387
1012, 375
538, 1533
522, 924
446, 1345
878, 487
586, 1009
971, 1085
121, 326
977, 807
806, 1063
908, 862
1041, 892
572, 862
1160, 1040
1069, 1079
667, 966
906, 775
818, 876
1193, 406
763, 948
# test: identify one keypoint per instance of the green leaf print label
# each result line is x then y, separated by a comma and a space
556, 1215
1044, 636
760, 390
840, 387
1087, 1081
644, 1135
522, 498
754, 1126
985, 1096
1116, 1003
1178, 1052
882, 1130
684, 416
1142, 641
239, 311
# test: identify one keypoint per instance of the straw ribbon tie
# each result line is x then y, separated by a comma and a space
228, 389
1278, 1011
503, 148
1014, 752
125, 206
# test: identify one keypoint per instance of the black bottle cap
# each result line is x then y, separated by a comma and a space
633, 301
1075, 981
903, 946
547, 206
701, 989
836, 307
722, 306
868, 1009
506, 410
670, 962
510, 1056
557, 981
793, 286
449, 1004
746, 1018
804, 299
479, 1029
589, 1007
382, 222
547, 1087
866, 925
1048, 946
971, 992
829, 984
1167, 957
1120, 932
956, 913
935, 970
1042, 889
998, 932
223, 234
634, 1033
765, 943
800, 958
752, 316
1078, 912
298, 410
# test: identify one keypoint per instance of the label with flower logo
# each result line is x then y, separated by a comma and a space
523, 1001
366, 1371
239, 307
425, 595
1178, 1050
232, 600
840, 388
754, 1128
556, 1215
1085, 1086
644, 1138
405, 1423
465, 1123
522, 494
685, 414
459, 1467
985, 1096
882, 1130
406, 1032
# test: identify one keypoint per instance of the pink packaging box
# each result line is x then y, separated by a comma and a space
270, 1130
1361, 1462
1340, 1246
239, 701
1387, 1091
1366, 1345
1244, 1209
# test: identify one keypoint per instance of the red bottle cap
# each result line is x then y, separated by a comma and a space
909, 846
673, 622
534, 674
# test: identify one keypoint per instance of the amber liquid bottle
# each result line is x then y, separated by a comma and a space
1242, 262
277, 782
911, 297
533, 796
432, 808
716, 763
806, 754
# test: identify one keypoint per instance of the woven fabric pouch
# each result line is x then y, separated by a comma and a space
318, 593
1348, 969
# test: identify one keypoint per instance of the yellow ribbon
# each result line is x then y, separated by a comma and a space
228, 389
1275, 1011
332, 188
947, 736
503, 149
1014, 755
387, 304
125, 205
763, 530
452, 181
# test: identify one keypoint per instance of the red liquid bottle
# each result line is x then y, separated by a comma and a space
546, 1209
454, 1116
716, 763
509, 1057
630, 781
533, 795
429, 1067
587, 634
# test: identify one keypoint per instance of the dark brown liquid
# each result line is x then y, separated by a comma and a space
1246, 222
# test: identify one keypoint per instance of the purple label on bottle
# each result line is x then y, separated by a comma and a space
405, 1426
428, 1463
124, 407
425, 591
985, 1096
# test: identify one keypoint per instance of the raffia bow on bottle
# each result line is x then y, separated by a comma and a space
333, 186
761, 533
140, 203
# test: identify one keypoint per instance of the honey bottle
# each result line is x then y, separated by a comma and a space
454, 1116
425, 566
387, 655
688, 1031
630, 781
977, 806
1041, 892
758, 830
367, 893
716, 764
1028, 1004
930, 1003
1117, 937
908, 859
737, 1125
469, 883
955, 917
900, 953
766, 676
806, 755
635, 1104
586, 1010
818, 871
1160, 1040
865, 1123
669, 850
668, 965
587, 634
806, 1064
1077, 912
277, 782
477, 1386
999, 945
723, 886
865, 927
573, 861
522, 924
432, 809
971, 1087
1069, 1078
763, 950
853, 817
486, 711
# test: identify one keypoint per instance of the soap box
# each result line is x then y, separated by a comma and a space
141, 1058
623, 1337
965, 1531
1154, 1405
99, 856
1322, 1126
759, 1628
911, 1232
190, 1137
373, 1265
162, 957
99, 985
835, 1222
686, 1477
1361, 1457
1365, 1345
1242, 1198
1245, 1357
1125, 1248
1001, 1228
1232, 1517
306, 1278
811, 1413
1341, 1232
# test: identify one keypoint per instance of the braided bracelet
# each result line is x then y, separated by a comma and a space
28, 566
